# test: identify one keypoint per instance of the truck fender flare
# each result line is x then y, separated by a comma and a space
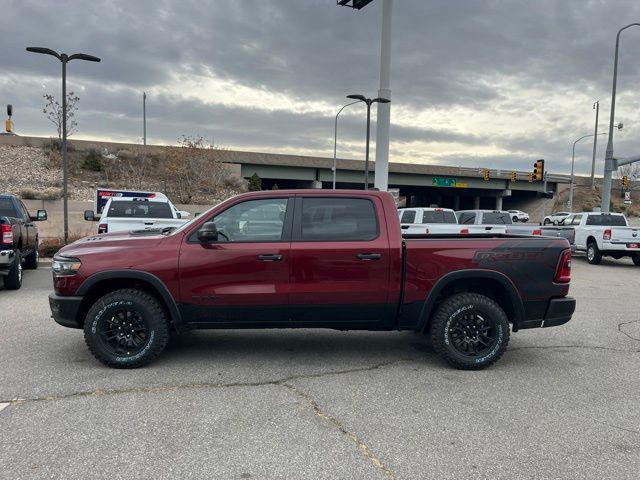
147, 277
512, 292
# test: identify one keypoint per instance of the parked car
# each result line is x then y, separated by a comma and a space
555, 218
606, 234
519, 216
428, 220
337, 261
18, 240
122, 214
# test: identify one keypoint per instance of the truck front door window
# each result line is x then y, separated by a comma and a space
252, 221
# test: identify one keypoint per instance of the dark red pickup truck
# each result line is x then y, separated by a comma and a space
308, 258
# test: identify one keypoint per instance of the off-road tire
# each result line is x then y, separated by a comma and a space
463, 304
31, 260
149, 309
636, 259
13, 281
594, 255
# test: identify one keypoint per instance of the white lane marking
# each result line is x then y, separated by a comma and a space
3, 406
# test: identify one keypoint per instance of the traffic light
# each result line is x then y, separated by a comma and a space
530, 177
514, 176
538, 170
485, 174
625, 181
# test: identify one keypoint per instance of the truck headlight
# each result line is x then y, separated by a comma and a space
63, 266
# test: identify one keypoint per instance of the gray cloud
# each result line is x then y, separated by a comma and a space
443, 52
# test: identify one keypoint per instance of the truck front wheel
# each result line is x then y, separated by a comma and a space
470, 331
126, 328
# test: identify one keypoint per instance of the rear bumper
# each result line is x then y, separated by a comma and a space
620, 247
6, 261
559, 312
64, 310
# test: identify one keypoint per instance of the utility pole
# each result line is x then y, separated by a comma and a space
384, 110
144, 118
596, 106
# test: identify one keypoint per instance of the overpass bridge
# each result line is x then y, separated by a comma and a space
454, 187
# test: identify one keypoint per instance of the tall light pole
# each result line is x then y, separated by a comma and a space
384, 111
368, 101
144, 118
64, 59
609, 163
335, 141
573, 156
596, 107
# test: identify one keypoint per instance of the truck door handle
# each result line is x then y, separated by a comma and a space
369, 256
270, 257
148, 223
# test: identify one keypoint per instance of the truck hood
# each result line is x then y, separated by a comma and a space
112, 242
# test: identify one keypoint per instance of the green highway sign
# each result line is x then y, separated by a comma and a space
448, 182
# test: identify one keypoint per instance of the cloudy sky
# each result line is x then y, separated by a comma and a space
475, 83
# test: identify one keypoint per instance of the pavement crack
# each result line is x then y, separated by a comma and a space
624, 429
338, 425
194, 386
625, 333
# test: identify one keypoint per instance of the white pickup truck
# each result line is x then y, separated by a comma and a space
606, 234
124, 214
428, 221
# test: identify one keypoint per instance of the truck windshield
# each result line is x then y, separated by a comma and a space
7, 208
139, 209
436, 216
607, 220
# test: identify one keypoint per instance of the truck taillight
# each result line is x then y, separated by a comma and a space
464, 231
607, 234
537, 232
563, 272
7, 234
102, 228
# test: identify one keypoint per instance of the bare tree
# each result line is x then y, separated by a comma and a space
53, 112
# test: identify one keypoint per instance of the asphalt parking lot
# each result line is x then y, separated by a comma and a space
562, 403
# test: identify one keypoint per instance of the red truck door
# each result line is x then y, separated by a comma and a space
340, 260
243, 278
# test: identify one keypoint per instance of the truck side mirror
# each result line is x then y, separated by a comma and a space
41, 215
208, 233
89, 216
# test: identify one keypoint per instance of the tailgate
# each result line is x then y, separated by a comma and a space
625, 235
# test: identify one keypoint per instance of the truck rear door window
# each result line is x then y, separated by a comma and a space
496, 218
338, 219
139, 209
408, 216
607, 220
466, 218
6, 208
438, 217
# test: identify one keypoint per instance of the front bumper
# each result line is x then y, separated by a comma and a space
559, 312
64, 310
6, 261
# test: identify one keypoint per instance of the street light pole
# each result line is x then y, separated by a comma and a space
609, 164
596, 106
368, 101
573, 156
144, 118
64, 59
335, 141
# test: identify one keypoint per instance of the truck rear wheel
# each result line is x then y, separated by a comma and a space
636, 259
470, 331
13, 281
594, 255
126, 328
